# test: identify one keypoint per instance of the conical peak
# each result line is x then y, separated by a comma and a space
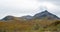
45, 14
45, 11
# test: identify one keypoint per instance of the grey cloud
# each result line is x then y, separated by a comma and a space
12, 7
57, 2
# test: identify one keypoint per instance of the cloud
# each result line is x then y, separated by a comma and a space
17, 7
25, 7
56, 4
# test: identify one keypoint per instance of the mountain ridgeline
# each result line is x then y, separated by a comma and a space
45, 14
41, 15
40, 22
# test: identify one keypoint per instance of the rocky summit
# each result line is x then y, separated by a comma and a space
45, 14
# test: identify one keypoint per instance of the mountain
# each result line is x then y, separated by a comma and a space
8, 18
41, 15
45, 14
27, 17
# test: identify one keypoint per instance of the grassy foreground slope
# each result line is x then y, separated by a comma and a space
37, 25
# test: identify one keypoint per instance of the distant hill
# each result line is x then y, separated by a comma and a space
45, 14
41, 15
8, 18
27, 17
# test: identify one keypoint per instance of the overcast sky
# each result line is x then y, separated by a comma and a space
28, 7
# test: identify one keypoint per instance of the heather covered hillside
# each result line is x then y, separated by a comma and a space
30, 25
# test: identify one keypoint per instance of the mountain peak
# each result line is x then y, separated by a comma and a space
45, 11
45, 14
8, 17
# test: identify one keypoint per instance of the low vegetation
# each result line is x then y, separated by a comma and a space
36, 25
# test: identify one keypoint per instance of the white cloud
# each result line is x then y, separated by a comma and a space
17, 7
25, 7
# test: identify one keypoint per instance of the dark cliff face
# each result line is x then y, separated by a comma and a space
45, 14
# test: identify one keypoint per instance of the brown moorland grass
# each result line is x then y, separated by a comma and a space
25, 25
